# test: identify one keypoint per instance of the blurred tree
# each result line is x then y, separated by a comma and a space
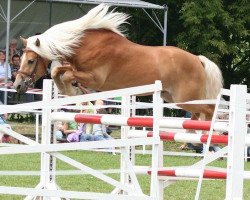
220, 31
217, 29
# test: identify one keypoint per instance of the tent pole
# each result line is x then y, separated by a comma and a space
165, 25
50, 13
7, 49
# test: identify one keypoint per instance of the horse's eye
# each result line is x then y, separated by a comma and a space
30, 62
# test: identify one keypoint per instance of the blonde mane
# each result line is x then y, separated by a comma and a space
58, 41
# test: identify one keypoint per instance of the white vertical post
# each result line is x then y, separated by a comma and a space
133, 113
161, 157
37, 127
46, 131
236, 142
55, 95
157, 104
47, 178
125, 111
53, 185
7, 50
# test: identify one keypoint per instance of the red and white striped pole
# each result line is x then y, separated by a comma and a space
117, 120
180, 137
191, 173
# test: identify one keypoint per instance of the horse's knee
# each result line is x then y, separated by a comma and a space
207, 112
195, 116
67, 77
166, 96
55, 72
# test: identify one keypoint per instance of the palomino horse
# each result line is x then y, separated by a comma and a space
101, 58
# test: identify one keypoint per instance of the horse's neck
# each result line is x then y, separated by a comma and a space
44, 64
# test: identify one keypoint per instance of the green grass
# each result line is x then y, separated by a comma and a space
214, 190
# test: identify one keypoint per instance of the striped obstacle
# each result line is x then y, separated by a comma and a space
191, 173
117, 120
180, 137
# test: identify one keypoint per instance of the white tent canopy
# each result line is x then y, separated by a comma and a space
29, 17
124, 3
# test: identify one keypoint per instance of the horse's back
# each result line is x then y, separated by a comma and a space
181, 73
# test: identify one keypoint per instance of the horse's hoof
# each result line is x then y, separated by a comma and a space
78, 91
62, 92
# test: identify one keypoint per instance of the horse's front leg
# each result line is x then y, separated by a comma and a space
67, 80
56, 74
88, 79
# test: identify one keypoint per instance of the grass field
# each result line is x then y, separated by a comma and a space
181, 190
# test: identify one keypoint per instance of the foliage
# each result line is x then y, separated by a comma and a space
217, 29
17, 117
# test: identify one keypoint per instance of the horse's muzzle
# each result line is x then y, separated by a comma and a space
20, 87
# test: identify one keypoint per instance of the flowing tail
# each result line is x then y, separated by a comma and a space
214, 79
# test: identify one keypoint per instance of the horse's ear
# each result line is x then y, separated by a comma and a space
37, 42
24, 41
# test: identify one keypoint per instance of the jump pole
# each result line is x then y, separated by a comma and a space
139, 121
181, 137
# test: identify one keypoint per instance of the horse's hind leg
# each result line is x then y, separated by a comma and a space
207, 111
194, 115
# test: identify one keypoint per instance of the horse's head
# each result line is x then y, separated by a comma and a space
32, 68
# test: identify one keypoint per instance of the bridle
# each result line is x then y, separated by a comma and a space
31, 76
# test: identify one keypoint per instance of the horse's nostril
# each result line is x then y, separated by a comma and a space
18, 87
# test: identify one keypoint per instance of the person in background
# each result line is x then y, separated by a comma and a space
58, 130
3, 72
5, 138
74, 132
86, 128
69, 129
3, 67
100, 130
15, 66
83, 134
13, 49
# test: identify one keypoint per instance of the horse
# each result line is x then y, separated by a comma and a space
102, 58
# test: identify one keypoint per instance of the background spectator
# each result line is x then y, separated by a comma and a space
5, 138
15, 66
100, 130
67, 129
86, 128
13, 49
3, 72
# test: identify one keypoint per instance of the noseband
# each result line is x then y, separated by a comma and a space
31, 77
